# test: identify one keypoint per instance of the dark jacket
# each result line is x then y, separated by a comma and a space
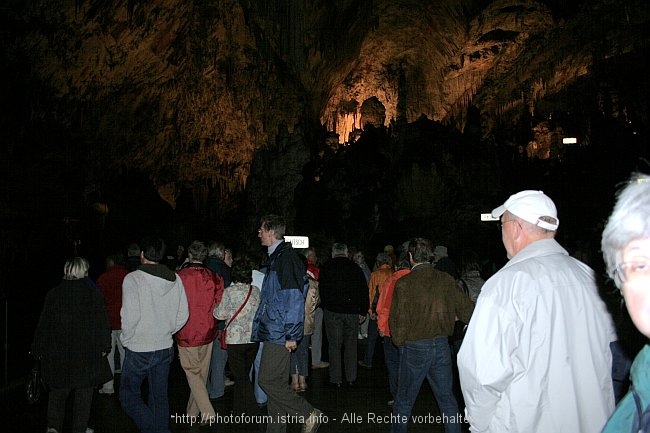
220, 267
71, 335
343, 287
280, 316
425, 305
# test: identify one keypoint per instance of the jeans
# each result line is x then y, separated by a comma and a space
300, 358
216, 384
152, 417
391, 358
371, 342
260, 395
342, 331
317, 337
429, 358
81, 405
115, 342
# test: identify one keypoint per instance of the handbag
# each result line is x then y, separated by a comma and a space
34, 386
223, 343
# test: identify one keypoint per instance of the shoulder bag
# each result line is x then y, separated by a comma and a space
224, 345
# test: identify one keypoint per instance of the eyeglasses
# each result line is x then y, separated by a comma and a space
502, 223
630, 270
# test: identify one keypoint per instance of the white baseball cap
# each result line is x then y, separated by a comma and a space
530, 206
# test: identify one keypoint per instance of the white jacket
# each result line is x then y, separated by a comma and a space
536, 355
153, 309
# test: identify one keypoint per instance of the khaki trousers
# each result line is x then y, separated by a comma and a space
196, 363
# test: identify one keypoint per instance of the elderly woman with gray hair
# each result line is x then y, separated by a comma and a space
72, 339
626, 250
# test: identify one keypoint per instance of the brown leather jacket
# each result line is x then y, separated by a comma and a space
425, 305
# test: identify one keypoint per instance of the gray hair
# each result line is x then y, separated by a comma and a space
198, 251
630, 220
384, 259
75, 268
534, 228
216, 249
339, 250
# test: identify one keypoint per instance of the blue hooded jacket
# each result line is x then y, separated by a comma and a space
281, 313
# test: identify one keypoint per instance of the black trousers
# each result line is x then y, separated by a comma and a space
241, 358
82, 401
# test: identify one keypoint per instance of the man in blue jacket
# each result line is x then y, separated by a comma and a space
279, 324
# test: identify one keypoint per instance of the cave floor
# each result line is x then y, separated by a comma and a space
350, 409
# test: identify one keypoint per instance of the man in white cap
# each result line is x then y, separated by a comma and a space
536, 356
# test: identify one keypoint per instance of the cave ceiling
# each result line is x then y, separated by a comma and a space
188, 91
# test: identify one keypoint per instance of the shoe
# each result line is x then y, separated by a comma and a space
295, 387
321, 364
89, 430
390, 402
51, 430
106, 391
337, 385
118, 370
351, 383
313, 422
228, 382
302, 387
363, 364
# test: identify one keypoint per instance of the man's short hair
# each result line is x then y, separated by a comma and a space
115, 259
198, 250
420, 249
153, 249
133, 250
276, 223
216, 249
75, 268
339, 250
310, 253
384, 259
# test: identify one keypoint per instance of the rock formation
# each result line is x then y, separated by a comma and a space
219, 103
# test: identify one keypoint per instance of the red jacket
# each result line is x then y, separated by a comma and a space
110, 286
386, 300
204, 290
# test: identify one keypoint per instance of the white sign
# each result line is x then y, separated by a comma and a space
298, 241
488, 217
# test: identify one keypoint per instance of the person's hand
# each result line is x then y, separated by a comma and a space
291, 345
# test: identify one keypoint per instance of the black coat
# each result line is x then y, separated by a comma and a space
343, 287
71, 335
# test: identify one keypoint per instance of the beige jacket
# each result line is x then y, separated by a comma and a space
311, 303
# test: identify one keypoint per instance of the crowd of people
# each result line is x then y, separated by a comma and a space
532, 349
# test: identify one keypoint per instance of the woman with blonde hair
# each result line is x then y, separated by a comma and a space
72, 339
